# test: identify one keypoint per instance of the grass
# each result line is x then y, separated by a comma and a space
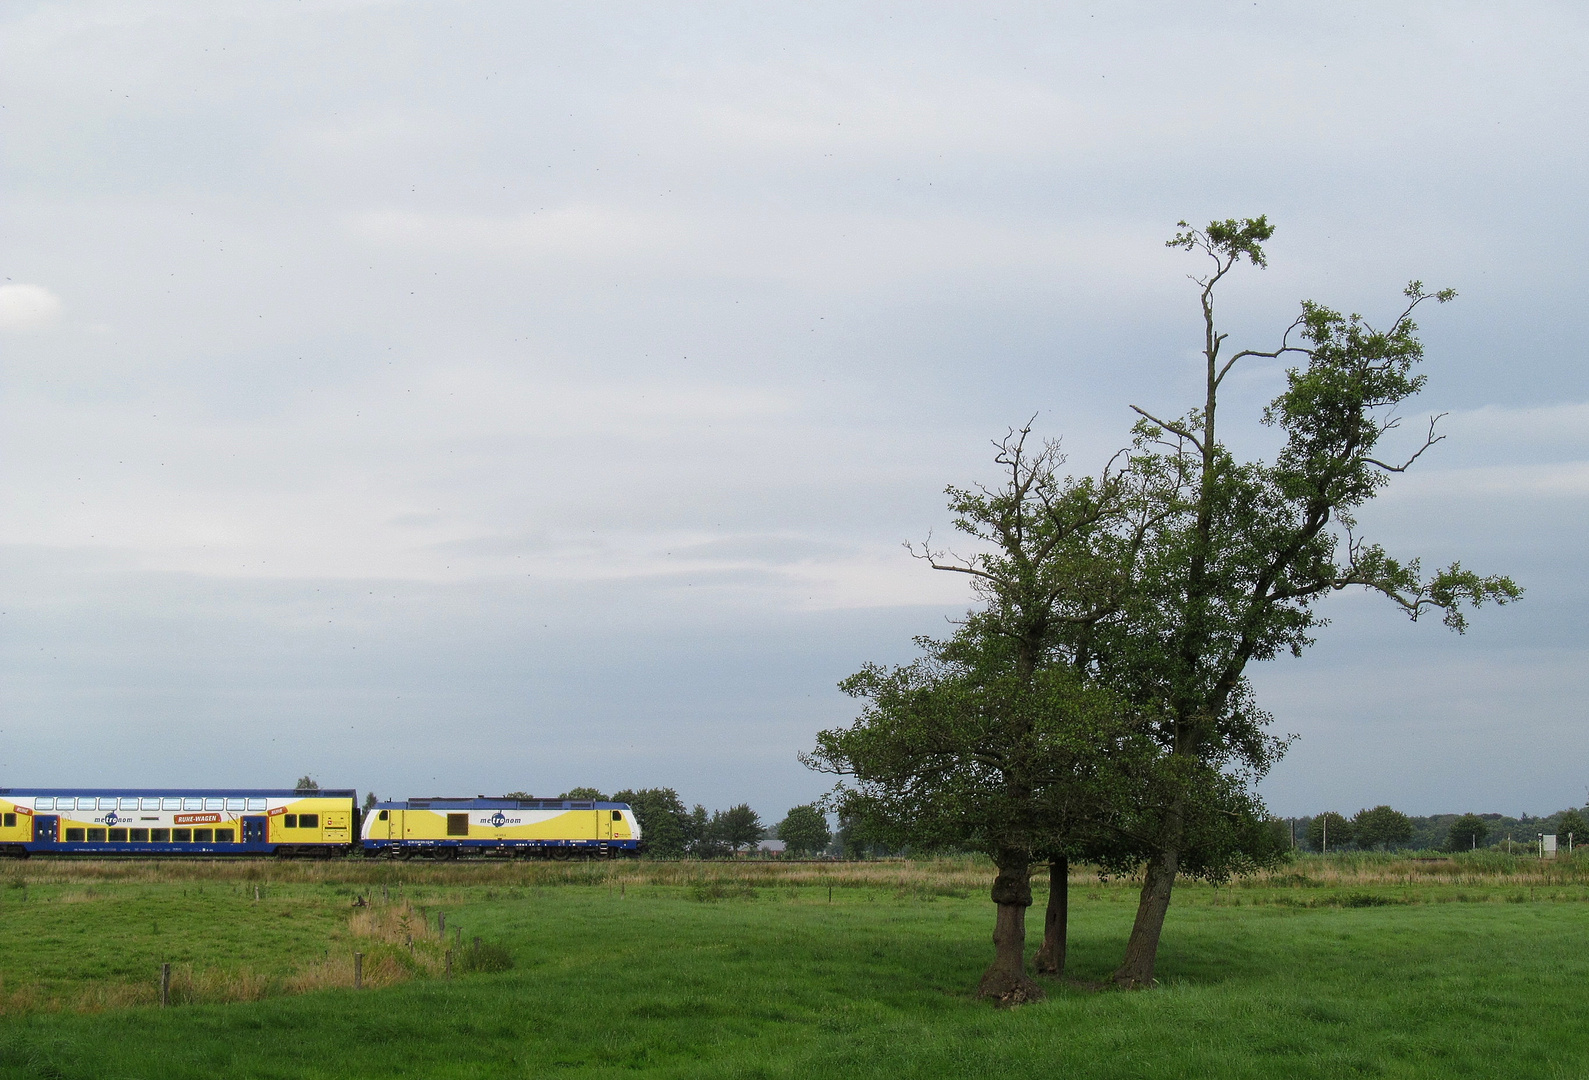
1339, 966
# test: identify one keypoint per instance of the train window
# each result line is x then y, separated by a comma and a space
289, 821
96, 836
74, 836
234, 804
118, 836
617, 815
107, 802
182, 836
223, 836
128, 804
215, 804
148, 804
44, 804
257, 804
192, 804
138, 836
308, 821
10, 821
203, 836
457, 824
160, 836
382, 816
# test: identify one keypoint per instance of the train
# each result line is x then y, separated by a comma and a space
284, 822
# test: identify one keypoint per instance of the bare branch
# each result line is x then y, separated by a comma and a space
1429, 440
1175, 429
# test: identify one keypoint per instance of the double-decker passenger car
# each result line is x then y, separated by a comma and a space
185, 821
550, 828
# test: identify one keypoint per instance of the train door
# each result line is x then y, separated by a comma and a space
46, 828
337, 826
254, 830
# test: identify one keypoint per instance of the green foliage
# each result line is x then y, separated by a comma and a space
858, 837
664, 823
306, 783
804, 830
584, 793
1380, 827
1329, 832
1467, 833
1572, 822
370, 800
738, 827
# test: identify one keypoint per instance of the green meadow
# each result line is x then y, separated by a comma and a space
1337, 966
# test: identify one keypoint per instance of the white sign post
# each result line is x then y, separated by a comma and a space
1547, 845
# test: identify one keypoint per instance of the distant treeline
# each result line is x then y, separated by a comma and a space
1382, 828
668, 830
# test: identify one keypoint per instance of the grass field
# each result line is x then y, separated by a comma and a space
1345, 966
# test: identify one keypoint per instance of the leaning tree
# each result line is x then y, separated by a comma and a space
1236, 572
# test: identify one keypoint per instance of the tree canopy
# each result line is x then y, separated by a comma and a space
1467, 832
1380, 827
804, 830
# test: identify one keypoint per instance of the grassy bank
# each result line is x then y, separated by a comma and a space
1352, 965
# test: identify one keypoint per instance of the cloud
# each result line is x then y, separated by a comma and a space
28, 307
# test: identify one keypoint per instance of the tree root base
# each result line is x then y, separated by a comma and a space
1133, 982
1007, 990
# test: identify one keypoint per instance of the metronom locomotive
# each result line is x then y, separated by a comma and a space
284, 822
547, 828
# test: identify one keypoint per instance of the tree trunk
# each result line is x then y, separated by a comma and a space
1051, 955
1142, 949
1006, 980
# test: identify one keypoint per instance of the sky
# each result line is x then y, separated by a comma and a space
450, 398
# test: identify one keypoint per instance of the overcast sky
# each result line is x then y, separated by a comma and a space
459, 397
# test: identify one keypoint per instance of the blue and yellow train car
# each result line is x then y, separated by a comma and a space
548, 828
183, 821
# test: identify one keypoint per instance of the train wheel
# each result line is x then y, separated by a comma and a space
562, 854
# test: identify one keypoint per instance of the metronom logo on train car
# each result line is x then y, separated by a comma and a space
500, 819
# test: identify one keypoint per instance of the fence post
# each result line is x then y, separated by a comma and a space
441, 923
256, 894
449, 965
165, 985
358, 970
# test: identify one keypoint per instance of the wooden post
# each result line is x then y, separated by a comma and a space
449, 965
620, 890
165, 985
441, 923
256, 894
358, 971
